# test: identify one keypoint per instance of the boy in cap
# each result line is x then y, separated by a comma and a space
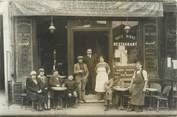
71, 86
81, 73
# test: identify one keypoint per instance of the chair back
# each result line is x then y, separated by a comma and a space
156, 86
166, 91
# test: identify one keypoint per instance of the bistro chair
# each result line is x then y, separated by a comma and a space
153, 90
162, 99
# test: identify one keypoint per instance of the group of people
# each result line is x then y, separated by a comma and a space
89, 77
39, 89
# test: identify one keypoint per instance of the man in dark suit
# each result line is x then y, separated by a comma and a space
43, 81
81, 73
91, 61
57, 81
34, 90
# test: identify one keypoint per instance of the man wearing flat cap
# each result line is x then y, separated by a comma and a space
43, 82
81, 73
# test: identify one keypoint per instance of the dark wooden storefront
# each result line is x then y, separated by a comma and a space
156, 39
27, 48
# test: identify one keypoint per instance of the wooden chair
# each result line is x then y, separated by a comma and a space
150, 95
163, 98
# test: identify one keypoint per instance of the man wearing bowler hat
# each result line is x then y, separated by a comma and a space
81, 73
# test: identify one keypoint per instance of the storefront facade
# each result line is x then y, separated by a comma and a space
94, 24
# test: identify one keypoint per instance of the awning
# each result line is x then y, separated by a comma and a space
98, 8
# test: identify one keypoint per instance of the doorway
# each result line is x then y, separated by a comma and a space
95, 40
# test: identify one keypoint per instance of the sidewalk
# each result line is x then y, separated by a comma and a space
88, 109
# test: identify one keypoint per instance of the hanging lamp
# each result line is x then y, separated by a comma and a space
127, 27
52, 27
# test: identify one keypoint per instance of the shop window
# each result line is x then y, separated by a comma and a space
125, 42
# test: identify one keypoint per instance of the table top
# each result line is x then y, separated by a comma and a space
151, 89
117, 88
58, 88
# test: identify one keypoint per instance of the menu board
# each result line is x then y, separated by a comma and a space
151, 50
23, 40
170, 22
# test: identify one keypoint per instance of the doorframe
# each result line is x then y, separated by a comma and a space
70, 42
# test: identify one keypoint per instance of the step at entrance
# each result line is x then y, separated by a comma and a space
93, 99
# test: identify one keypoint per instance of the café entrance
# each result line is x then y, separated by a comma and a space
95, 40
84, 34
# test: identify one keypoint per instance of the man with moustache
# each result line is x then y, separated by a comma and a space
91, 61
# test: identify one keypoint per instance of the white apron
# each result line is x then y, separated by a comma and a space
101, 79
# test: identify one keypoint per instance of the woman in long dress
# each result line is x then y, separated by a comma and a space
102, 72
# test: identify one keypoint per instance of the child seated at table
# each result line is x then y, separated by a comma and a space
71, 86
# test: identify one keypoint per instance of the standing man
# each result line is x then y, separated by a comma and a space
138, 87
91, 62
81, 73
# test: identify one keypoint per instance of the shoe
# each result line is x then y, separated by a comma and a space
81, 102
84, 101
74, 106
130, 109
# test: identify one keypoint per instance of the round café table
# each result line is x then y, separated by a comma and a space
60, 91
121, 91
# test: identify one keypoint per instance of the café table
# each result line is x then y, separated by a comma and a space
60, 91
121, 91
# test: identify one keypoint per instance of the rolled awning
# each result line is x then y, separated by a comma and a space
98, 8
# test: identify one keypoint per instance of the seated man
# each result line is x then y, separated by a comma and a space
71, 90
34, 91
43, 81
55, 81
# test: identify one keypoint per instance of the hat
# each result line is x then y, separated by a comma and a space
33, 73
41, 70
80, 57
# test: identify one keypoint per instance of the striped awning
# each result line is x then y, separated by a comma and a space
98, 8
